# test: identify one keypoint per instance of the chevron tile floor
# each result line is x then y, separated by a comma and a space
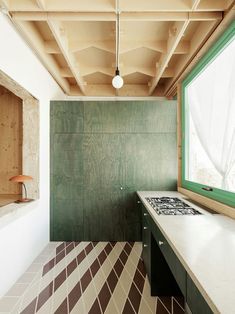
87, 277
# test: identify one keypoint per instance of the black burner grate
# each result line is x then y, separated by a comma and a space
171, 206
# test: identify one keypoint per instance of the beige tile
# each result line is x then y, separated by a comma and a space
119, 296
17, 290
30, 294
7, 304
79, 307
112, 308
26, 278
34, 268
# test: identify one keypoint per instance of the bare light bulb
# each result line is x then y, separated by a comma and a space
117, 81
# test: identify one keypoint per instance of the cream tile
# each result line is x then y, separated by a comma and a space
147, 298
30, 294
7, 304
112, 308
79, 307
34, 268
119, 297
27, 278
17, 290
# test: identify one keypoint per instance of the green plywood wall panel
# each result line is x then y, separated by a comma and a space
130, 117
101, 154
103, 214
67, 116
151, 161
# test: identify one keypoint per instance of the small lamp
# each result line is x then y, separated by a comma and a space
21, 179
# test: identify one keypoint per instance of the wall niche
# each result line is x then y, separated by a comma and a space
19, 139
11, 137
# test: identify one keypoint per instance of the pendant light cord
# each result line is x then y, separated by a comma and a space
117, 34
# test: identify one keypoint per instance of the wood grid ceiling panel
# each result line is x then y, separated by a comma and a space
76, 41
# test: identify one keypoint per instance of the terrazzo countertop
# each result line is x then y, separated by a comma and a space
205, 245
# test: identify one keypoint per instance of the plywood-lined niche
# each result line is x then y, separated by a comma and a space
11, 137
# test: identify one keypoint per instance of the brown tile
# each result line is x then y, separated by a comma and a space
123, 257
177, 309
113, 243
85, 280
118, 267
71, 267
167, 301
63, 308
104, 297
30, 309
128, 248
59, 256
102, 257
88, 248
48, 266
60, 248
161, 309
59, 280
81, 257
108, 248
69, 248
134, 297
94, 267
141, 268
95, 309
139, 280
112, 280
128, 308
44, 295
74, 296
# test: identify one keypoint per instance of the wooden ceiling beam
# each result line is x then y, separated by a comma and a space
194, 4
51, 47
134, 90
111, 17
176, 32
58, 32
41, 4
109, 5
79, 45
200, 36
182, 48
31, 35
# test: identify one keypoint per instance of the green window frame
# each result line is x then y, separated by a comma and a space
219, 195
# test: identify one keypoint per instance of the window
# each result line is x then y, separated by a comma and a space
208, 156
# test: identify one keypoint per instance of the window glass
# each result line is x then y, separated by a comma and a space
209, 112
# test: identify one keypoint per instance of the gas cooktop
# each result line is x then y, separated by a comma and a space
171, 206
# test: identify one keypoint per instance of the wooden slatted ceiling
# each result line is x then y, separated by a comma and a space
76, 41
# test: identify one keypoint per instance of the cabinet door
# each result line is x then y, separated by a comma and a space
67, 188
195, 300
146, 236
104, 218
132, 215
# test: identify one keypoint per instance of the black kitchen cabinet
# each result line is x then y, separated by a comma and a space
167, 276
195, 300
160, 276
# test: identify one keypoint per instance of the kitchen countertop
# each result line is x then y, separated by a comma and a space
205, 245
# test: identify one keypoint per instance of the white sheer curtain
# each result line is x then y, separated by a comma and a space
211, 98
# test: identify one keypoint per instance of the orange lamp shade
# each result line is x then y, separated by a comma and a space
20, 178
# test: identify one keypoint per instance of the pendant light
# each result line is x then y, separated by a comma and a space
117, 81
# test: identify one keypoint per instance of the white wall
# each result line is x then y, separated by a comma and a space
23, 239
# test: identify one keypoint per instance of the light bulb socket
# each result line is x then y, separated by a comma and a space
117, 72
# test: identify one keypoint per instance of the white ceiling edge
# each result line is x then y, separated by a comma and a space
111, 98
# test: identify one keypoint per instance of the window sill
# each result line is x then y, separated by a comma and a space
212, 204
11, 212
